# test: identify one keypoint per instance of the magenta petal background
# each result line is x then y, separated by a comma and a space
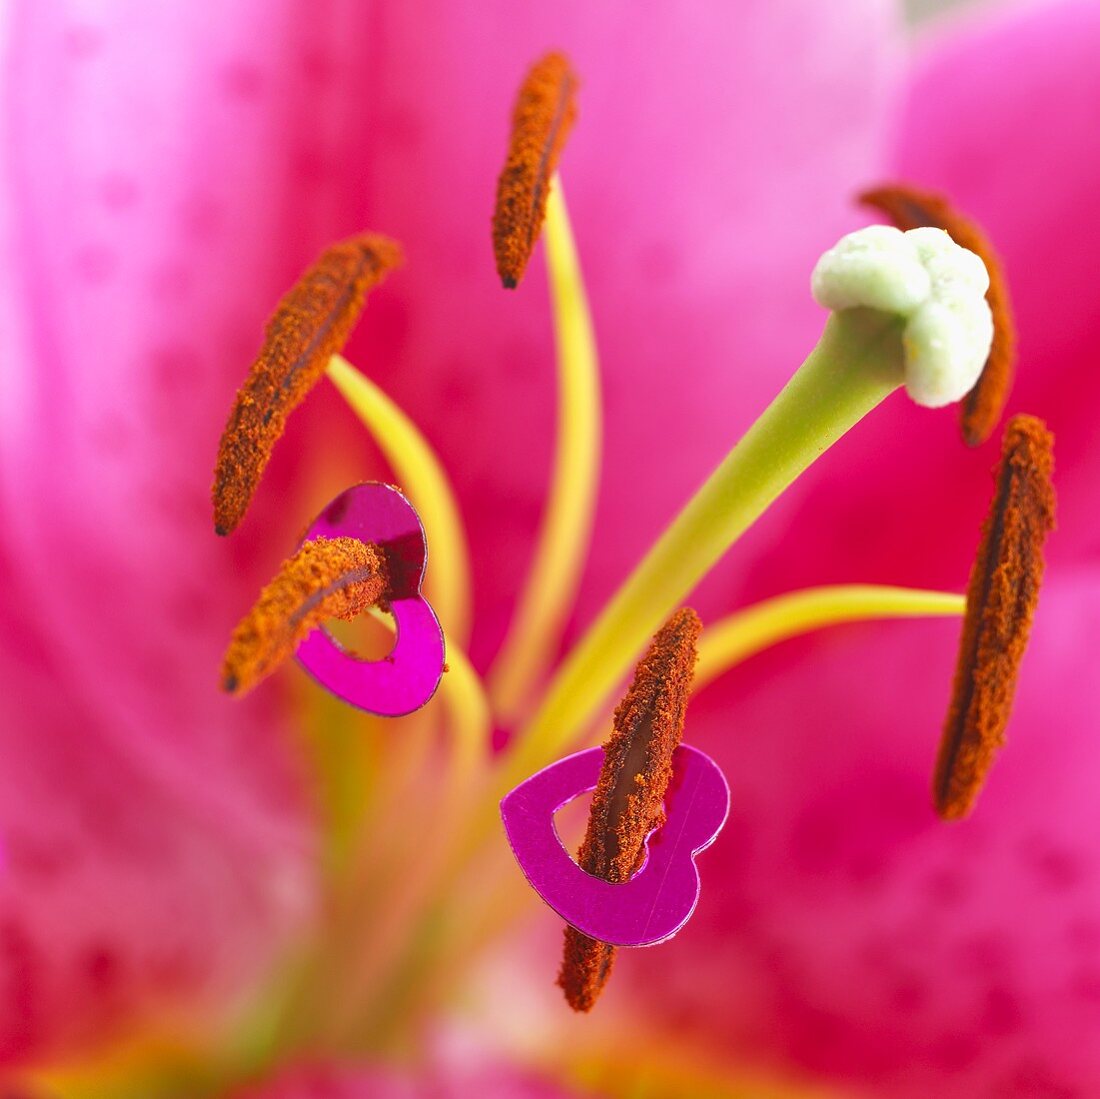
854, 935
157, 846
172, 167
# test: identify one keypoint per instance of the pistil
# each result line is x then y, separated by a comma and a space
910, 208
907, 311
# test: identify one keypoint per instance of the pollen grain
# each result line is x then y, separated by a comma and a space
1000, 605
544, 114
326, 578
311, 323
628, 801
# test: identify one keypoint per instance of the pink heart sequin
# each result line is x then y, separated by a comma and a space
660, 898
407, 678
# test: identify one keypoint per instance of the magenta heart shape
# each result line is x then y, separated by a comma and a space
404, 680
660, 898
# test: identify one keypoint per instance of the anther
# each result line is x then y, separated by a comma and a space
311, 323
544, 113
1000, 605
326, 578
910, 208
628, 802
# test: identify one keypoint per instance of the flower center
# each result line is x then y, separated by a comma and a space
910, 309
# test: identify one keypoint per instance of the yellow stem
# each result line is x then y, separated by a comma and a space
422, 476
735, 638
469, 718
551, 585
856, 365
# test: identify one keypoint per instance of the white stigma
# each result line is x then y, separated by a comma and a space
936, 285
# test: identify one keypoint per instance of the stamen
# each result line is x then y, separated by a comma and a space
424, 479
551, 586
311, 323
544, 113
326, 578
628, 802
910, 208
1000, 604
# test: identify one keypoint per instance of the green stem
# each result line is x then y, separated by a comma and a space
854, 367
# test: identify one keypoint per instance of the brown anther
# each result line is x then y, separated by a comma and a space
909, 208
312, 322
544, 114
628, 802
326, 578
1000, 605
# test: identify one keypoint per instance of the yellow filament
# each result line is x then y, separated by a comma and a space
421, 475
467, 709
403, 880
735, 638
555, 574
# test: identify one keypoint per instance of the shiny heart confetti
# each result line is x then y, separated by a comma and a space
659, 899
407, 678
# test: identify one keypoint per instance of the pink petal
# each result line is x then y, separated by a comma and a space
847, 932
120, 896
855, 936
172, 167
154, 154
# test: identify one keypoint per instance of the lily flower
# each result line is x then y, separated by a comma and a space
201, 893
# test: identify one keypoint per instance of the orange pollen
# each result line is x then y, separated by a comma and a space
1000, 605
312, 322
326, 578
544, 114
628, 802
908, 208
